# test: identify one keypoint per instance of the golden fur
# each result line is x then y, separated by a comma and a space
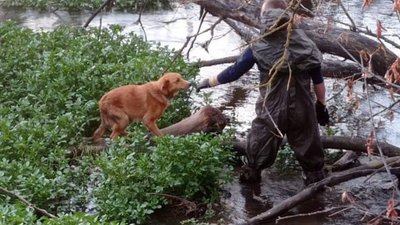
145, 103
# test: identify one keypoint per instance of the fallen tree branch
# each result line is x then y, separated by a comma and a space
291, 217
326, 41
189, 205
330, 68
357, 144
38, 211
306, 194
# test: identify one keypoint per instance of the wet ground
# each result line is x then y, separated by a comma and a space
236, 100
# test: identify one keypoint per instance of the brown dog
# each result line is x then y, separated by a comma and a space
146, 103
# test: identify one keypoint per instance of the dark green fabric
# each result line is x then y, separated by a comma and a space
291, 107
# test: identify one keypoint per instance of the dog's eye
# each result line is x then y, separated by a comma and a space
177, 80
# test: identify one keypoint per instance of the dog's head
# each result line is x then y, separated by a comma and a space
171, 83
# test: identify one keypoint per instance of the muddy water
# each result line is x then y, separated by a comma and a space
237, 99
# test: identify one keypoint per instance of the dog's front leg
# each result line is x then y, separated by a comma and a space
152, 126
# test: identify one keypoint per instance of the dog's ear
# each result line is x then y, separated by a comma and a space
165, 86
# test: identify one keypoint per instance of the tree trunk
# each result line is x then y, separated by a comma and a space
328, 39
329, 67
356, 144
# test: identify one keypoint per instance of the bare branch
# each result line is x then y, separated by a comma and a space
106, 3
37, 210
353, 25
198, 31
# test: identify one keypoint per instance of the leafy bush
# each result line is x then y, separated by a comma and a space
16, 214
286, 159
50, 84
134, 5
142, 172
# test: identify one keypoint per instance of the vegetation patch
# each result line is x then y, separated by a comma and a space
51, 82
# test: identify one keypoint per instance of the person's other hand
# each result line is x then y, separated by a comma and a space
322, 113
203, 84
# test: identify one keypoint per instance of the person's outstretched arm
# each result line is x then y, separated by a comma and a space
243, 64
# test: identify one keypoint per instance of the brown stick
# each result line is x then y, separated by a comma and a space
39, 211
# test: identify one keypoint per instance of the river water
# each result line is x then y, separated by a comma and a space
237, 99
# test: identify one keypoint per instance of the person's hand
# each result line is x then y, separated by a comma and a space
203, 84
322, 113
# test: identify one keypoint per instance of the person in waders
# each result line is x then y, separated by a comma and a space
286, 104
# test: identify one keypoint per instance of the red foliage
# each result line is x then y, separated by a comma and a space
370, 143
391, 212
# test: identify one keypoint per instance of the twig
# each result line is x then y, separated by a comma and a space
353, 25
383, 110
376, 138
139, 20
305, 194
191, 206
39, 211
208, 29
188, 38
203, 16
177, 54
369, 33
373, 75
281, 218
107, 2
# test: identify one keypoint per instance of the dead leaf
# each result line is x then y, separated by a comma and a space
370, 143
391, 212
379, 29
366, 3
349, 96
390, 115
348, 197
396, 6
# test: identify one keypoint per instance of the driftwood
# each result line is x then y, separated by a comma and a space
311, 190
348, 160
330, 40
207, 119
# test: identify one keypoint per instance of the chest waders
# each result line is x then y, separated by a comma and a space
283, 107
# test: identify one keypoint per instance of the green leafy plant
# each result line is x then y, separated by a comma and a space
51, 83
286, 159
138, 174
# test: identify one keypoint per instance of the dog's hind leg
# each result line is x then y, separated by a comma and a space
100, 130
120, 123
